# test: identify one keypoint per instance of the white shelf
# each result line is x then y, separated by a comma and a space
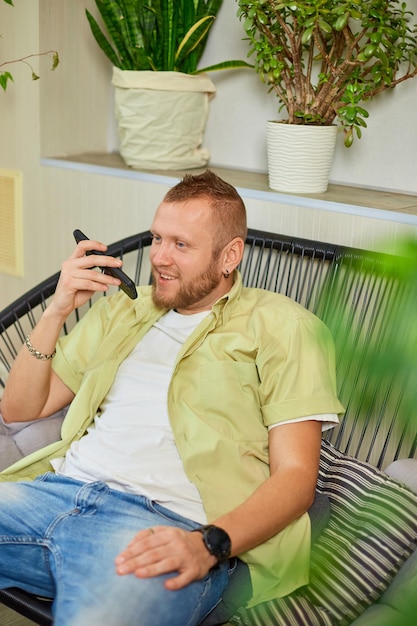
400, 208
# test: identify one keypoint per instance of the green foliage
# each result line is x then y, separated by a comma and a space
325, 58
386, 348
6, 76
159, 35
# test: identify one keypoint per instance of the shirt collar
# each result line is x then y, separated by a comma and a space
225, 305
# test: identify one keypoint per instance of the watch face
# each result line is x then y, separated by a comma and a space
218, 542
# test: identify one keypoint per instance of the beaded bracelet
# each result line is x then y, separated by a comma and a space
38, 355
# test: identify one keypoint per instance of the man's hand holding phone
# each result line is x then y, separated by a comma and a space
126, 284
79, 278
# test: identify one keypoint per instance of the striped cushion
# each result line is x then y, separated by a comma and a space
371, 532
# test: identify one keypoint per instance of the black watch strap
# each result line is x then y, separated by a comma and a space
217, 541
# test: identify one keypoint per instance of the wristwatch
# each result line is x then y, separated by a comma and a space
217, 541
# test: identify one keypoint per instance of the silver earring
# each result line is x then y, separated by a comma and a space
226, 273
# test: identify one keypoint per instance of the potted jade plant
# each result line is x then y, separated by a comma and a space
324, 59
161, 95
6, 76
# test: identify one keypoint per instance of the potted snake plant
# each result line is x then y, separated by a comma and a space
161, 95
324, 59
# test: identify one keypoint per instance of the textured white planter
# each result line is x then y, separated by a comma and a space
161, 118
299, 157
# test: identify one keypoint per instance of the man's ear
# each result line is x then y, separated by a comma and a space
233, 253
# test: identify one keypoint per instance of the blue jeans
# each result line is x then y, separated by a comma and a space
59, 538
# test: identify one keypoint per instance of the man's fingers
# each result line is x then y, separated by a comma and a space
86, 245
181, 580
161, 550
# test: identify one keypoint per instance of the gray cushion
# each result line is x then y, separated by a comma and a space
404, 471
21, 438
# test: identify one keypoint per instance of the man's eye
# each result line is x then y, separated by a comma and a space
156, 238
180, 244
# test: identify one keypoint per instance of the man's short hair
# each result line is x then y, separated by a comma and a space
229, 212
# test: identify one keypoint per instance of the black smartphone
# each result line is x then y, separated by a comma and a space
127, 285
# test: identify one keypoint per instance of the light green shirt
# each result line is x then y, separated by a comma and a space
260, 359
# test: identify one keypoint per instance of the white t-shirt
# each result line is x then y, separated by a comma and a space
131, 446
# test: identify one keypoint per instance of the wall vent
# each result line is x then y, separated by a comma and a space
11, 230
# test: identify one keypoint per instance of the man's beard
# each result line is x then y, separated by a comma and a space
189, 294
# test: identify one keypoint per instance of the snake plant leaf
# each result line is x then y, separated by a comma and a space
114, 18
170, 19
134, 37
191, 13
224, 65
193, 37
121, 34
208, 8
159, 35
204, 8
102, 41
146, 18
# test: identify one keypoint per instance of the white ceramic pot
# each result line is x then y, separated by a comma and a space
299, 157
161, 118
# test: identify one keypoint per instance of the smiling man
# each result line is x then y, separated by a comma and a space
196, 245
193, 435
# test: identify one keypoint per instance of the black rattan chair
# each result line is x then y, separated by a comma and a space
313, 273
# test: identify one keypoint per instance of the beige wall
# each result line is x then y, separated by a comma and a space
76, 98
19, 133
69, 111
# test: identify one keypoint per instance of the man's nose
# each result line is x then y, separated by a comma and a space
159, 254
